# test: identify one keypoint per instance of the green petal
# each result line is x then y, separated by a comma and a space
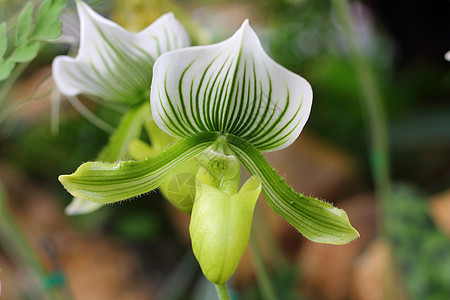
220, 226
230, 87
316, 220
111, 182
112, 63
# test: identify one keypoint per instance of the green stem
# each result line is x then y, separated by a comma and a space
20, 251
261, 228
267, 290
377, 123
9, 83
373, 104
222, 291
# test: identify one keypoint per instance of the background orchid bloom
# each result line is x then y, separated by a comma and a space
230, 90
115, 65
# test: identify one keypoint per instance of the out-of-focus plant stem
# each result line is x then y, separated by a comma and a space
20, 251
373, 104
264, 283
377, 125
6, 86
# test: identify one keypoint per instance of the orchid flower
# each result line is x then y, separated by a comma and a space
115, 66
226, 103
112, 63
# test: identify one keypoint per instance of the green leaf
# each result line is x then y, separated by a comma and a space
129, 128
112, 63
316, 220
111, 182
23, 26
25, 51
220, 226
231, 87
3, 40
47, 25
6, 67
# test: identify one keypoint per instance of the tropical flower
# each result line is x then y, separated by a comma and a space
115, 66
112, 63
228, 103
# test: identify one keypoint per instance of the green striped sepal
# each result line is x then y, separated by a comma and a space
315, 219
230, 87
128, 129
111, 182
112, 63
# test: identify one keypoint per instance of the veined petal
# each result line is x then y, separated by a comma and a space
112, 182
112, 63
230, 87
316, 220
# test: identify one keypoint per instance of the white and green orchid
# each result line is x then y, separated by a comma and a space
226, 103
115, 66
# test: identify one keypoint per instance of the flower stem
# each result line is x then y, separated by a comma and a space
267, 290
373, 104
222, 291
377, 124
19, 250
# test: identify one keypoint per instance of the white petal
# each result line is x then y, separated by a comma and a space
80, 206
112, 63
231, 87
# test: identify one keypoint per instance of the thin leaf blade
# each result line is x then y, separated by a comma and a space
23, 27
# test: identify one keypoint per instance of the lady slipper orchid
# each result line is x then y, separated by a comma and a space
229, 101
115, 65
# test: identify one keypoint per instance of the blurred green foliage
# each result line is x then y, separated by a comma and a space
420, 248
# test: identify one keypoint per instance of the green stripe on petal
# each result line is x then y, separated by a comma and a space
112, 182
112, 63
316, 220
231, 87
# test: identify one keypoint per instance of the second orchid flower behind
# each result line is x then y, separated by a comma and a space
226, 103
115, 66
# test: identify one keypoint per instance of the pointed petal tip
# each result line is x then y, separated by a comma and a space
80, 206
245, 25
